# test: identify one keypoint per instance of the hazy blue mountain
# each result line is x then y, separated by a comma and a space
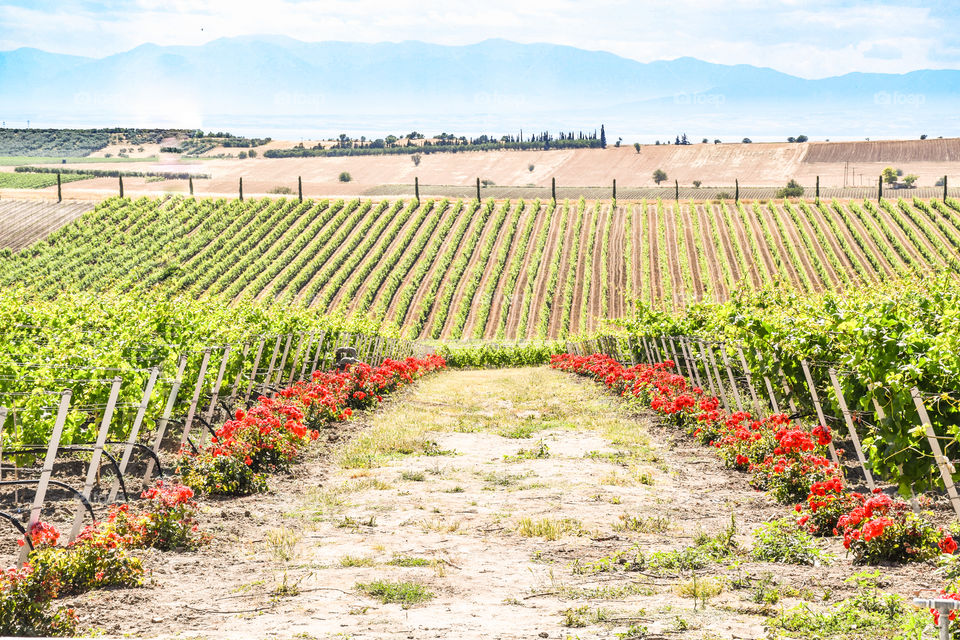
496, 86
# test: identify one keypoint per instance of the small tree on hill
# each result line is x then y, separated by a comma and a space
417, 157
909, 180
636, 145
659, 176
889, 175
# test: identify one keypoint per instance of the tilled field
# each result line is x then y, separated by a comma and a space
466, 270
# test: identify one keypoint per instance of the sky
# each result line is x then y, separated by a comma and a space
807, 38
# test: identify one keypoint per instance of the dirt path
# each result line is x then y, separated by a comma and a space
940, 239
807, 230
755, 229
888, 269
743, 240
801, 249
314, 245
883, 218
576, 320
424, 285
710, 253
460, 292
869, 225
362, 289
543, 272
841, 255
723, 232
517, 301
617, 266
595, 306
854, 247
488, 268
679, 286
569, 241
656, 284
695, 275
498, 543
496, 303
433, 240
782, 252
637, 240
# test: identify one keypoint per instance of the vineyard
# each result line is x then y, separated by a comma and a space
208, 355
454, 270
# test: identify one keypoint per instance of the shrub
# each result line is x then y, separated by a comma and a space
783, 542
242, 155
84, 566
25, 606
697, 183
284, 190
345, 176
723, 195
792, 190
886, 530
219, 475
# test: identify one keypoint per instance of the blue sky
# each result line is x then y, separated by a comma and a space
809, 38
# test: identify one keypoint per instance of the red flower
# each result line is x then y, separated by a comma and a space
948, 545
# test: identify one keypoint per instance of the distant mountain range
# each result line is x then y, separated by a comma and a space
274, 85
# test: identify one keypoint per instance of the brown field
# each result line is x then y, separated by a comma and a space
763, 166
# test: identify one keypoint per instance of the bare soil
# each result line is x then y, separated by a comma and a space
460, 522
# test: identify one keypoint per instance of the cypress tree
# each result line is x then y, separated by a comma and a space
603, 138
121, 186
478, 189
60, 192
241, 189
191, 184
300, 188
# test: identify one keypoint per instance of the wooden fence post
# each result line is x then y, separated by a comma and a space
706, 369
753, 392
165, 417
254, 369
816, 404
733, 383
945, 466
236, 381
854, 436
94, 468
47, 469
719, 379
191, 412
